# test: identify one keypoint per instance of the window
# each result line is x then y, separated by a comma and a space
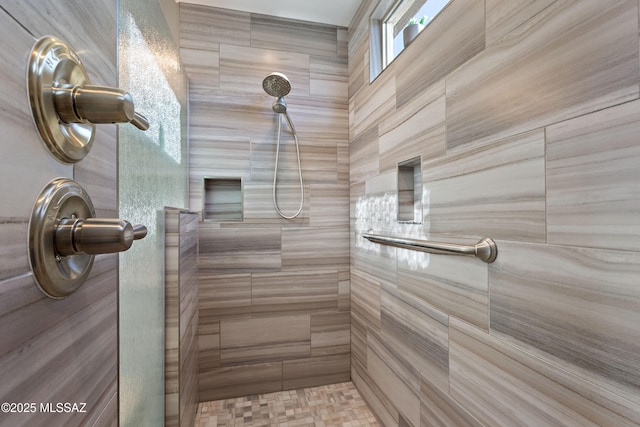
387, 23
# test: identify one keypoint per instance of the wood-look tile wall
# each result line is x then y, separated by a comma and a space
181, 317
55, 350
526, 116
273, 294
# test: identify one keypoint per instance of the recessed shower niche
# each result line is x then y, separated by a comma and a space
410, 191
222, 199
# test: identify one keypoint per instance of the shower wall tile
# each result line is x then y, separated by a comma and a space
223, 296
366, 299
264, 339
503, 181
490, 377
330, 334
420, 135
329, 78
97, 170
263, 269
329, 205
537, 102
315, 247
202, 67
240, 380
581, 309
358, 340
202, 27
454, 285
23, 155
504, 17
457, 35
400, 389
270, 32
238, 250
208, 351
418, 333
568, 60
364, 159
242, 69
70, 345
374, 396
319, 163
89, 28
294, 292
358, 67
438, 408
181, 317
315, 371
371, 105
592, 180
259, 207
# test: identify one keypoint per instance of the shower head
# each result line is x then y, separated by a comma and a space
276, 84
279, 106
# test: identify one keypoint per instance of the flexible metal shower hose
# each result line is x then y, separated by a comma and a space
275, 172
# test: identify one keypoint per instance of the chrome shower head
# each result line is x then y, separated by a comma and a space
276, 84
279, 106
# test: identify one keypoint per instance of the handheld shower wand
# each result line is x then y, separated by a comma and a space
278, 85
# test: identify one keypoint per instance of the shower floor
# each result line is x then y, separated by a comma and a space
324, 406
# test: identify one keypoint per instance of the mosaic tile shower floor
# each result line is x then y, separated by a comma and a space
324, 406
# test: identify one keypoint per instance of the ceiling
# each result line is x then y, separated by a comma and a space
334, 12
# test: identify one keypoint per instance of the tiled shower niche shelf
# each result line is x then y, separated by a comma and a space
222, 199
410, 191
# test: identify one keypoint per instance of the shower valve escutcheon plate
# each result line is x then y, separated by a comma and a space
66, 107
65, 236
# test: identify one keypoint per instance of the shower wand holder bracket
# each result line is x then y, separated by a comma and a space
65, 236
65, 106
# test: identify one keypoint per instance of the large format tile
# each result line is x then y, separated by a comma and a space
399, 382
315, 247
241, 380
203, 27
330, 333
70, 345
582, 309
243, 69
418, 332
315, 371
366, 299
593, 180
294, 292
497, 190
422, 134
458, 286
568, 60
264, 339
437, 408
455, 36
501, 385
25, 164
223, 296
238, 250
270, 32
502, 17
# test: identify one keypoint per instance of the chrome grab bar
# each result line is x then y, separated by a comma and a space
486, 249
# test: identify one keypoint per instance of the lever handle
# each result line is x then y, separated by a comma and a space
95, 236
96, 104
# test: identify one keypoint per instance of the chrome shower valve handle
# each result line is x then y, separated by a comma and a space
66, 107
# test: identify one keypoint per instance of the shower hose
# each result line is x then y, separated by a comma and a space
275, 172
